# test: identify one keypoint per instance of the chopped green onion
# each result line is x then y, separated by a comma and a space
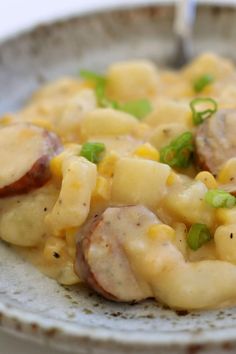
220, 199
102, 100
100, 87
199, 116
139, 108
92, 151
179, 152
92, 76
197, 236
202, 82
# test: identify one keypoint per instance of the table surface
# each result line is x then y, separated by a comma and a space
17, 15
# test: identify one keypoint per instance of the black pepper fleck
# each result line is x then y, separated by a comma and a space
231, 235
56, 255
45, 209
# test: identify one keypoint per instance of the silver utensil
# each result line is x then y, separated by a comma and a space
185, 13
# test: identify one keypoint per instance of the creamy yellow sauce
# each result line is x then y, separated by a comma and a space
43, 223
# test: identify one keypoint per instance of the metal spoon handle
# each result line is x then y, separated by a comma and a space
184, 17
183, 27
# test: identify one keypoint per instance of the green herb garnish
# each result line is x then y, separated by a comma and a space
100, 87
202, 82
102, 99
220, 199
92, 76
179, 152
92, 151
199, 116
138, 108
197, 236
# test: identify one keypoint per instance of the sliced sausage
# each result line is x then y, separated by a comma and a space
25, 153
215, 140
102, 261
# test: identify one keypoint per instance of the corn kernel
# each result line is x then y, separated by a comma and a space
161, 232
6, 119
102, 189
207, 90
228, 172
56, 163
43, 123
147, 151
107, 166
87, 84
56, 166
53, 248
171, 179
207, 178
226, 216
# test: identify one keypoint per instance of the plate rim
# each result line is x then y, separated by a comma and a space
11, 317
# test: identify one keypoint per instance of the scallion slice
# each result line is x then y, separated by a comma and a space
100, 87
202, 82
197, 236
179, 152
199, 116
92, 76
218, 198
138, 109
92, 151
102, 99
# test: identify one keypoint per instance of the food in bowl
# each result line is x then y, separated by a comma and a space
126, 181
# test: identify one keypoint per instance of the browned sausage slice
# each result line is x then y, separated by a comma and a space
216, 140
102, 260
25, 153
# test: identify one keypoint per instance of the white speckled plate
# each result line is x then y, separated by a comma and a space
75, 319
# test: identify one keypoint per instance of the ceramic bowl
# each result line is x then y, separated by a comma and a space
75, 319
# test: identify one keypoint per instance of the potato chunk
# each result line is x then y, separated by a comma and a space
163, 134
107, 121
139, 181
208, 63
22, 217
169, 111
132, 80
185, 203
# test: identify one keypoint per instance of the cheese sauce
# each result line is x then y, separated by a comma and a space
52, 188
